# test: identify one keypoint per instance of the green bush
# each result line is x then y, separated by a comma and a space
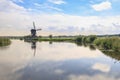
108, 43
116, 45
4, 41
50, 36
91, 38
98, 42
79, 39
86, 39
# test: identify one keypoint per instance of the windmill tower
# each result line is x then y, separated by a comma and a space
33, 31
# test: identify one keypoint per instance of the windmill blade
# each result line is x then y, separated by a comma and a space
38, 29
34, 25
34, 51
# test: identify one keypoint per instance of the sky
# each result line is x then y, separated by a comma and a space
59, 17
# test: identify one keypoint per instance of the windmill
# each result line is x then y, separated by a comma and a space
33, 31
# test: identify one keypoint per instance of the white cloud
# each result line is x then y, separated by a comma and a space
65, 53
9, 6
93, 77
59, 71
57, 1
101, 67
21, 1
62, 23
47, 7
102, 6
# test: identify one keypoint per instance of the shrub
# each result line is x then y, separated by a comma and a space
91, 38
79, 39
4, 41
108, 43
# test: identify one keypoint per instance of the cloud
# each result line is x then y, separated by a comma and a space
9, 6
61, 23
66, 54
102, 6
59, 71
21, 1
101, 67
57, 1
94, 77
47, 7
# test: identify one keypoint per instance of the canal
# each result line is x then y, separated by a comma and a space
55, 61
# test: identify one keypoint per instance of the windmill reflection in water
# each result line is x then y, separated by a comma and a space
32, 38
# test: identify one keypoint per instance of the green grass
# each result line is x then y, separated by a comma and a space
4, 42
56, 39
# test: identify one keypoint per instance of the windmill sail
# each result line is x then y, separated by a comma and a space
38, 29
34, 25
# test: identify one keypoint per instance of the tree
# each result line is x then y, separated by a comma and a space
50, 36
79, 39
91, 38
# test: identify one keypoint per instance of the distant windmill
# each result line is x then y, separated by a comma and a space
33, 31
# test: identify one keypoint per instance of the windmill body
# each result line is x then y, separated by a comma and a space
33, 31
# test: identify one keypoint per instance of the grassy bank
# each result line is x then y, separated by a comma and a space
112, 43
102, 43
5, 42
56, 39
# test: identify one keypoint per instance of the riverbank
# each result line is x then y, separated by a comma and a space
102, 43
109, 44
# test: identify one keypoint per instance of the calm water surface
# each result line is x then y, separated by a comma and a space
56, 61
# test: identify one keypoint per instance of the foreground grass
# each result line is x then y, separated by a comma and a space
5, 42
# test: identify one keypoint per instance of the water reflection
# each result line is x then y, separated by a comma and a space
58, 61
33, 45
50, 42
113, 54
91, 46
4, 47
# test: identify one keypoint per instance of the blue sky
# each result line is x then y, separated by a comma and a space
72, 7
60, 16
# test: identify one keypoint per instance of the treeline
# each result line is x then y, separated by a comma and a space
85, 39
103, 43
4, 41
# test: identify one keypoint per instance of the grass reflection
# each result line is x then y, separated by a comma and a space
112, 54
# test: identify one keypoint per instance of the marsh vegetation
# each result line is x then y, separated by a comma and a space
5, 42
102, 43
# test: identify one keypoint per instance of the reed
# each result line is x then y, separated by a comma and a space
5, 42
